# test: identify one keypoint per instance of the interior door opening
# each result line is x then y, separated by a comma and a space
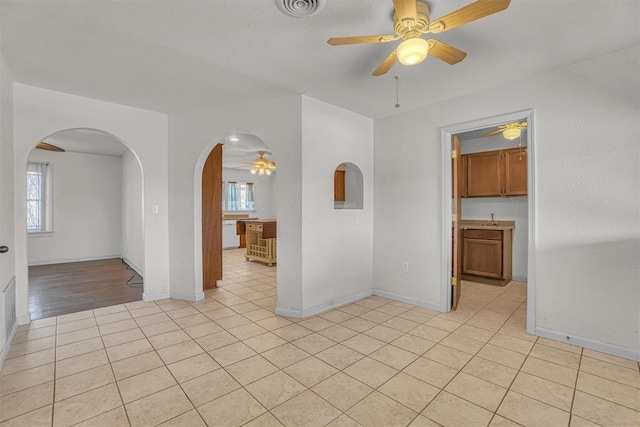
489, 204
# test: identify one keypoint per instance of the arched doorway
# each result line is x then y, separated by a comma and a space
85, 240
232, 190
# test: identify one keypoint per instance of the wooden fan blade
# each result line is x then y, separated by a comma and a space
406, 10
49, 147
337, 41
467, 14
495, 132
446, 53
386, 64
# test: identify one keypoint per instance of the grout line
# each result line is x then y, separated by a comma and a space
575, 388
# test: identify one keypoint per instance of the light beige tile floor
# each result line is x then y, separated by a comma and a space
228, 360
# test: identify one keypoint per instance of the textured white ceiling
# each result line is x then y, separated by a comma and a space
184, 55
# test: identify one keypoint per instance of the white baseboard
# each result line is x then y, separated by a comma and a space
322, 307
7, 344
612, 349
408, 300
78, 259
187, 297
133, 266
155, 297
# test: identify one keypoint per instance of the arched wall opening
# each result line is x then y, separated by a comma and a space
38, 113
229, 161
92, 211
348, 187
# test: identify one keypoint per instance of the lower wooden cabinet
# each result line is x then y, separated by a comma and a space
486, 256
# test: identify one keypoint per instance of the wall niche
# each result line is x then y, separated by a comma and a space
348, 187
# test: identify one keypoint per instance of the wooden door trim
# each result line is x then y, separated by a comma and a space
212, 219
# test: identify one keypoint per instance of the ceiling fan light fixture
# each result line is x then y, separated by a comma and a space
511, 133
262, 166
412, 51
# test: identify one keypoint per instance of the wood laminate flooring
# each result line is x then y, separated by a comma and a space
58, 289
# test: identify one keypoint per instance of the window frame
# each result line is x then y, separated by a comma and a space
243, 197
45, 226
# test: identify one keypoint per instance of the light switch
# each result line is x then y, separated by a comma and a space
155, 209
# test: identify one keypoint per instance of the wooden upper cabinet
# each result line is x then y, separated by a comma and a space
483, 174
338, 186
500, 173
515, 172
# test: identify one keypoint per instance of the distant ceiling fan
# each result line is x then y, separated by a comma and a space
411, 21
49, 147
510, 131
262, 166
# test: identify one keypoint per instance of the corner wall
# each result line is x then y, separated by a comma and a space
587, 202
132, 213
86, 204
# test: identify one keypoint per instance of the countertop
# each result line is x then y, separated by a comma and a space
480, 224
237, 216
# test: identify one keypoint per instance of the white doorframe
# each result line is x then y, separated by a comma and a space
445, 135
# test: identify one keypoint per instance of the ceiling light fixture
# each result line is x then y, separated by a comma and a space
262, 166
233, 139
412, 51
511, 133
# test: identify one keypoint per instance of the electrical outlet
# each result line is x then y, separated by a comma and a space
405, 266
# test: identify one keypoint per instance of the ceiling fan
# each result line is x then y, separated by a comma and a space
509, 131
49, 147
262, 166
411, 21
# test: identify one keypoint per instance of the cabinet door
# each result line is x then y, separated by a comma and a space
483, 174
515, 172
482, 257
338, 186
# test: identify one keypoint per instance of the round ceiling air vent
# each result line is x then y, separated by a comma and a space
300, 8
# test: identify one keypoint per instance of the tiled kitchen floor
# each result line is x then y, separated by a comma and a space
227, 360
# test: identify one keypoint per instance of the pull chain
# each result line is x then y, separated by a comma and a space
397, 77
520, 146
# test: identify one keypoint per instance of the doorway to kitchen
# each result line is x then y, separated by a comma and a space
239, 201
478, 243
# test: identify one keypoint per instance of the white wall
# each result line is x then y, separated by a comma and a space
39, 113
7, 223
263, 189
337, 244
132, 213
86, 208
587, 202
192, 136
